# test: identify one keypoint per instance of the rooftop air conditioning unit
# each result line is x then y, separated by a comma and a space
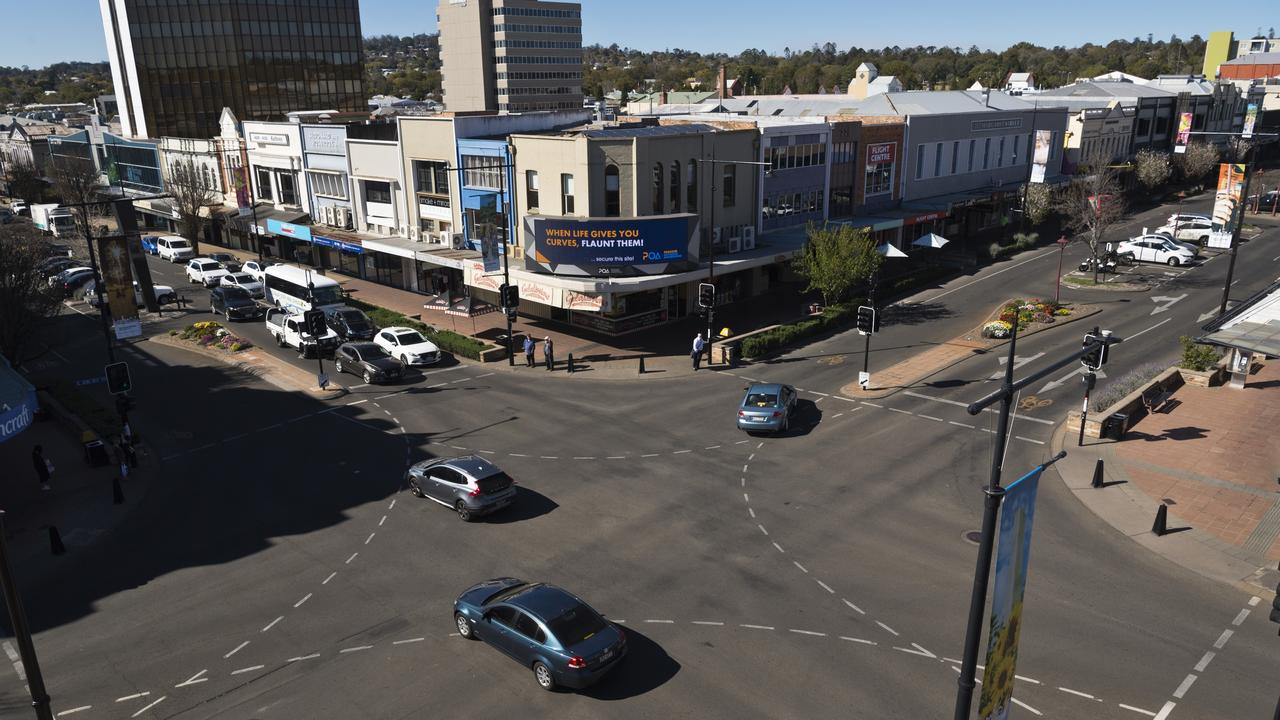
458, 242
326, 215
735, 244
341, 217
749, 237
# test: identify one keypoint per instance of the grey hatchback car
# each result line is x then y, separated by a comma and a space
471, 485
767, 408
544, 628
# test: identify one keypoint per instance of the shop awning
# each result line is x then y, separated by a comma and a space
243, 221
339, 239
163, 208
433, 253
1255, 337
18, 403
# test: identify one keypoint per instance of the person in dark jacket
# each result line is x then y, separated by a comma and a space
43, 467
548, 351
529, 346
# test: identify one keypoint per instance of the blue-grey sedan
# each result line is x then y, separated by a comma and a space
544, 628
767, 407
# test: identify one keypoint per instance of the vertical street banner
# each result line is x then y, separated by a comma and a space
240, 180
1250, 120
1040, 158
117, 280
1227, 205
1013, 554
1184, 133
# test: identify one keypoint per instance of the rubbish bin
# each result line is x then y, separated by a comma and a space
95, 453
729, 353
1113, 427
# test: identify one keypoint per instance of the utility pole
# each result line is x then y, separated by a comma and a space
509, 313
21, 632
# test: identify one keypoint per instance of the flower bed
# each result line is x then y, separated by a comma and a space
212, 335
1028, 314
446, 340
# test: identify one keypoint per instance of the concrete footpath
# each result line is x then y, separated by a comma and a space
1212, 458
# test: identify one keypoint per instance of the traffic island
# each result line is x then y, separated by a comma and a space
253, 361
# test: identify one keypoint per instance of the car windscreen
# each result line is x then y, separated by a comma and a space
410, 338
761, 400
578, 624
235, 293
329, 295
354, 319
243, 278
494, 483
179, 244
373, 352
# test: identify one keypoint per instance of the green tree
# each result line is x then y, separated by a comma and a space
836, 259
25, 296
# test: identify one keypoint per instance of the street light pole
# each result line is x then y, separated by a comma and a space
1062, 250
21, 632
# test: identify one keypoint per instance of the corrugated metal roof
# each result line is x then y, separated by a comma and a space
649, 131
1110, 89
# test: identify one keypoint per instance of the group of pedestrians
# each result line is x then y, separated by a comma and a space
123, 451
548, 351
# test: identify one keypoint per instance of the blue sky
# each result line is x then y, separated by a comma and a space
72, 29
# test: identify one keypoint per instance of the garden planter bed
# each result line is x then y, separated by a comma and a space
1130, 405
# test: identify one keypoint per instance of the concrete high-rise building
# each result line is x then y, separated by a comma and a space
176, 63
510, 55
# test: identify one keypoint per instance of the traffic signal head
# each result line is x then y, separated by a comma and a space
1095, 359
510, 296
314, 322
118, 380
706, 295
867, 321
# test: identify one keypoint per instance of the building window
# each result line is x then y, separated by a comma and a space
431, 177
973, 144
288, 191
730, 186
1000, 157
566, 194
919, 161
674, 179
1054, 142
691, 186
531, 189
955, 156
482, 171
332, 185
377, 192
937, 160
879, 178
986, 154
612, 192
263, 176
657, 188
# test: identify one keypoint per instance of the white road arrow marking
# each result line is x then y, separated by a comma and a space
1018, 361
1209, 315
918, 651
1054, 384
1165, 303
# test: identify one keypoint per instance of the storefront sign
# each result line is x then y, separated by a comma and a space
927, 217
881, 153
1184, 133
990, 125
16, 415
584, 301
339, 244
298, 232
539, 293
324, 140
610, 246
269, 138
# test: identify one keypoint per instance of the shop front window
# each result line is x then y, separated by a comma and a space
288, 192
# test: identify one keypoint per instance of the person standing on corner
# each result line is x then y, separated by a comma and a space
699, 345
44, 468
548, 352
529, 346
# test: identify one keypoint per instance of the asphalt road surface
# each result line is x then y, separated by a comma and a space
278, 568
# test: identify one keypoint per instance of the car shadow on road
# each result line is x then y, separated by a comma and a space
529, 504
646, 668
804, 419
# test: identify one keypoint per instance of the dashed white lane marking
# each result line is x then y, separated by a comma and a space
663, 622
135, 696
1253, 601
744, 468
1026, 707
300, 658
779, 547
392, 505
874, 405
1204, 661
357, 648
353, 557
518, 455
807, 632
681, 452
1131, 708
383, 520
1164, 711
332, 575
237, 649
486, 452
858, 640
826, 587
707, 622
1033, 681
752, 511
16, 660
1027, 439
249, 669
548, 457
1077, 692
1017, 416
1186, 684
194, 679
304, 599
151, 705
766, 532
757, 627
272, 623
759, 444
648, 455
888, 629
480, 377
963, 425
746, 498
409, 640
1240, 617
616, 457
584, 457
73, 711
712, 447
802, 568
359, 387
853, 607
930, 417
368, 539
1223, 638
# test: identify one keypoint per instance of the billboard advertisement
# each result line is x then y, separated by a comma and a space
117, 280
1012, 557
611, 246
1040, 157
1226, 205
1250, 120
1184, 133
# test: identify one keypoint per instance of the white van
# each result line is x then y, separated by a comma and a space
173, 248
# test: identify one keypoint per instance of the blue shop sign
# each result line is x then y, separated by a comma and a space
17, 413
297, 232
339, 244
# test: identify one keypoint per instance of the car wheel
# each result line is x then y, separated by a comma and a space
366, 377
404, 360
542, 674
228, 314
413, 488
280, 341
1173, 262
337, 365
464, 513
464, 627
786, 424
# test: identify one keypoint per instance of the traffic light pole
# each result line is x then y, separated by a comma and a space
22, 633
994, 496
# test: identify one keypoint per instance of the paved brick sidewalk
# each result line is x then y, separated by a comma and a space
1212, 457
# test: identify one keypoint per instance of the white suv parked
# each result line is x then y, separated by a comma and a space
174, 249
206, 272
1189, 229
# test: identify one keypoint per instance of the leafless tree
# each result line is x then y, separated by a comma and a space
25, 295
193, 191
1198, 159
77, 182
1152, 168
1092, 205
25, 181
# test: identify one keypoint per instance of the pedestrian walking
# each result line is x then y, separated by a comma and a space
529, 346
43, 466
699, 345
548, 351
121, 457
